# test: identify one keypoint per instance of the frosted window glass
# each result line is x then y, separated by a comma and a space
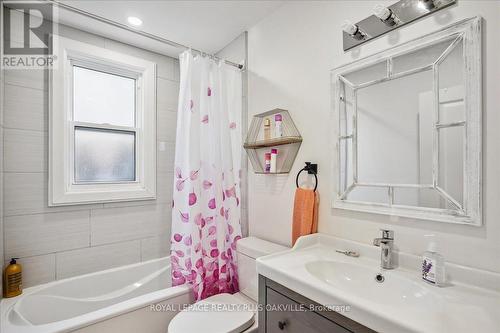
104, 155
103, 98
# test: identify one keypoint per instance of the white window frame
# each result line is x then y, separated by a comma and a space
63, 190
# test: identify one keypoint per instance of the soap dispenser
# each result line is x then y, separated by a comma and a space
433, 270
12, 279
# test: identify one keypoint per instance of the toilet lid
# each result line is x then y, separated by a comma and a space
223, 313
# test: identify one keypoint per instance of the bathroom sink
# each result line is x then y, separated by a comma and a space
372, 283
395, 300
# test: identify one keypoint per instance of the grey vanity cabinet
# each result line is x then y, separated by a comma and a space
282, 310
293, 321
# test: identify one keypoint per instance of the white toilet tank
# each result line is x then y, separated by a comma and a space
247, 250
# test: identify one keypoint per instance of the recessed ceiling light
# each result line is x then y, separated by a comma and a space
135, 21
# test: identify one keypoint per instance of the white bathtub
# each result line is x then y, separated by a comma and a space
115, 300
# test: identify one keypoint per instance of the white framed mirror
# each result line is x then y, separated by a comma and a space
409, 124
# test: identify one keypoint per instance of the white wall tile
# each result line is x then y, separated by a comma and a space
25, 108
46, 237
27, 193
164, 187
122, 204
30, 235
166, 125
16, 33
29, 78
111, 225
167, 94
25, 151
155, 247
92, 259
166, 157
38, 269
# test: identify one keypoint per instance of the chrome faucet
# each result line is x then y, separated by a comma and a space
386, 243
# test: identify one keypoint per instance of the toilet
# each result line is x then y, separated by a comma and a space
225, 313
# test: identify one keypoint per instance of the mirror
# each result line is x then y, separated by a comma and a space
409, 128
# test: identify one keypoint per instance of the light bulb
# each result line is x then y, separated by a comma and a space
350, 28
135, 21
426, 4
353, 30
382, 12
386, 15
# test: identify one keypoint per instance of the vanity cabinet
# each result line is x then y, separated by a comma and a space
283, 310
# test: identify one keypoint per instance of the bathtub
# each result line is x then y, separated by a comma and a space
134, 298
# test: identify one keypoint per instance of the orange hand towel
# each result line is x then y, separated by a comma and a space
305, 213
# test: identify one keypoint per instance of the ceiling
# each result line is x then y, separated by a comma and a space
203, 25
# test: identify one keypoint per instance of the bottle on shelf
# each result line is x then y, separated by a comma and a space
267, 167
267, 129
274, 157
278, 128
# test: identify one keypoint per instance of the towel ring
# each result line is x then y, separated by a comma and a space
311, 169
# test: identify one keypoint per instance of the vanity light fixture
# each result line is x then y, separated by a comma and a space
387, 18
135, 21
429, 4
353, 30
386, 15
426, 4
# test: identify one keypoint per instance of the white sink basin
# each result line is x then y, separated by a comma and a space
401, 303
394, 289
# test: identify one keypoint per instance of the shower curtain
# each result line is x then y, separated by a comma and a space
206, 198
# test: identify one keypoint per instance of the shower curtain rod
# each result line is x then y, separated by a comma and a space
139, 32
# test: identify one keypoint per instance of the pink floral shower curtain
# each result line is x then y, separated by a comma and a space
206, 199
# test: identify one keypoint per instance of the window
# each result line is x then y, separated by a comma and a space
104, 155
102, 126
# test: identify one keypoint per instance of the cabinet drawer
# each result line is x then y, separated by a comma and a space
283, 315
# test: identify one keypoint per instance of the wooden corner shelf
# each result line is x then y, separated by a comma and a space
273, 142
257, 146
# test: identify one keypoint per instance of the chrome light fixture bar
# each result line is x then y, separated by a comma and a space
386, 19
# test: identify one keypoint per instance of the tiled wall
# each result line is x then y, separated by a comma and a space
60, 242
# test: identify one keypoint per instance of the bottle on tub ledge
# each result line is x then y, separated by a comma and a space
12, 279
433, 270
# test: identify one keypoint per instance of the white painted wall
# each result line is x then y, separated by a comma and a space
59, 242
290, 55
